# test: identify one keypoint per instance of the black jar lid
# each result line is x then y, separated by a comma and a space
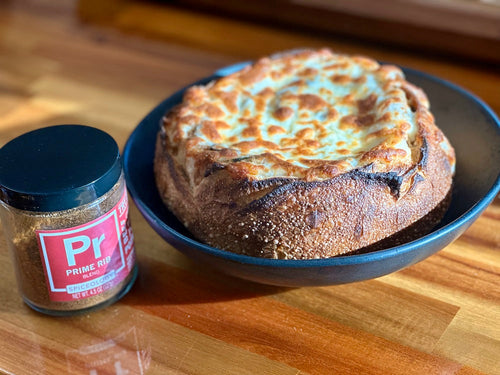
58, 168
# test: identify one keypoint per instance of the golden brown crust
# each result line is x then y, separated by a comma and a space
307, 207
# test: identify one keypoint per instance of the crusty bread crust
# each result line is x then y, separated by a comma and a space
286, 217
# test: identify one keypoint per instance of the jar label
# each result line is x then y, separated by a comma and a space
87, 260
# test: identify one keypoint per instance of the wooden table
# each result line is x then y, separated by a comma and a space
440, 316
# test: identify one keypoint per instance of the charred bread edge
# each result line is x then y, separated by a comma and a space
411, 233
271, 192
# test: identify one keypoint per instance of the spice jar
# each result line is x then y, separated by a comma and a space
64, 210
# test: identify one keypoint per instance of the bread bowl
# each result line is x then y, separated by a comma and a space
307, 154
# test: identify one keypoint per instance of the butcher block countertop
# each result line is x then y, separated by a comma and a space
62, 63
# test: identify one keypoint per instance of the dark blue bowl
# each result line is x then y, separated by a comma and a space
472, 128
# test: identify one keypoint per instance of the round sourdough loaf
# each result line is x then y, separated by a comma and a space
305, 154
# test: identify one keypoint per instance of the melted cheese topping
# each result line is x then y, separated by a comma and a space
308, 114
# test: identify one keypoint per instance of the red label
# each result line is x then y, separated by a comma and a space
86, 260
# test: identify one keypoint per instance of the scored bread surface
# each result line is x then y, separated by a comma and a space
306, 154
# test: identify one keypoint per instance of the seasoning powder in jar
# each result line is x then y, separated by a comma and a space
64, 210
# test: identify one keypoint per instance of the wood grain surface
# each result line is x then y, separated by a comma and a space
460, 28
108, 66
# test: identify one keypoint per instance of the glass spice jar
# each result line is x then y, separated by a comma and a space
64, 210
